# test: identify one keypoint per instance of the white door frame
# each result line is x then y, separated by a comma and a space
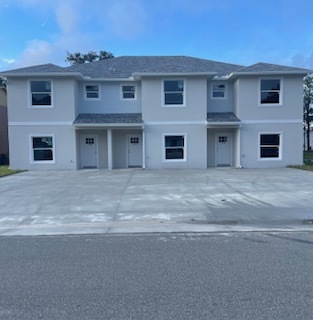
230, 137
127, 145
92, 135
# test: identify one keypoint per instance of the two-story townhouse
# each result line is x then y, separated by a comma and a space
155, 112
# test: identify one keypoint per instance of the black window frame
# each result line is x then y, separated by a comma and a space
174, 150
270, 146
40, 93
170, 92
42, 148
270, 94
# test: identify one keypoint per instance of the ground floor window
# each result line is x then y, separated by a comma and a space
42, 149
270, 145
174, 147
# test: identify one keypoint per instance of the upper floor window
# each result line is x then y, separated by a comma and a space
173, 92
128, 92
92, 91
218, 91
270, 91
41, 93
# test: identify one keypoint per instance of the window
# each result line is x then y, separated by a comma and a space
173, 92
174, 147
222, 139
218, 91
40, 93
92, 91
42, 149
270, 145
270, 91
128, 92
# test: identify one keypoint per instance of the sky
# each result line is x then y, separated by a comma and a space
242, 32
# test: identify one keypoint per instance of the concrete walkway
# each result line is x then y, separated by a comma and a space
131, 201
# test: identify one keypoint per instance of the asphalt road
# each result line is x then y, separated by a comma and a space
160, 276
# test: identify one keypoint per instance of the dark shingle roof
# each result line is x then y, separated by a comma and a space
43, 68
126, 66
222, 117
268, 67
115, 118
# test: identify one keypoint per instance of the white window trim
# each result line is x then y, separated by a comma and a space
31, 150
30, 102
280, 158
99, 91
121, 92
265, 105
184, 94
225, 91
185, 147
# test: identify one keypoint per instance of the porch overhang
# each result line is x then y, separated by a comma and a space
222, 120
109, 120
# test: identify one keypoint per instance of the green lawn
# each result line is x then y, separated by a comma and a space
5, 171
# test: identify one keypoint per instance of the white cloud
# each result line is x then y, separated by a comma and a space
104, 20
126, 19
36, 52
7, 61
67, 18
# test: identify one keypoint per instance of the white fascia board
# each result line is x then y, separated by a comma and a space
130, 79
174, 123
268, 73
173, 74
40, 123
108, 125
223, 124
285, 121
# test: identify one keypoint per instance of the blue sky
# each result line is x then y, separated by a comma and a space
235, 31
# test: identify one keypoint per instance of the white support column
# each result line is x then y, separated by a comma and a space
238, 148
110, 149
143, 149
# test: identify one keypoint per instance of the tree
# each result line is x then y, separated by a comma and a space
91, 56
308, 107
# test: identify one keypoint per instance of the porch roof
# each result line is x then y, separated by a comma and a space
222, 119
109, 119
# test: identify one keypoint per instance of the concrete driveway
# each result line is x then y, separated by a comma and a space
126, 201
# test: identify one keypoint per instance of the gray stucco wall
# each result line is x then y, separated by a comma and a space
63, 100
291, 145
221, 105
195, 107
195, 146
64, 147
110, 99
248, 108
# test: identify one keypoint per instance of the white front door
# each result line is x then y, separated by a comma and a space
134, 150
223, 149
88, 151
